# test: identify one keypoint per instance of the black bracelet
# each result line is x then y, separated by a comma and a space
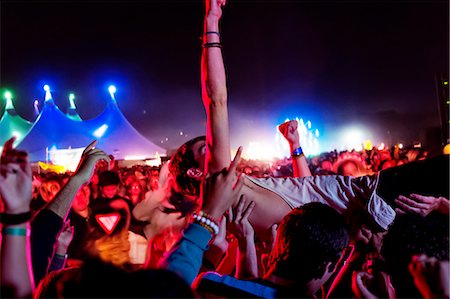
12, 219
212, 45
212, 32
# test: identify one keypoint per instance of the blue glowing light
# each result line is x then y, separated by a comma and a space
112, 89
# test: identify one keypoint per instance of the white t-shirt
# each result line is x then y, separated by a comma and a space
344, 193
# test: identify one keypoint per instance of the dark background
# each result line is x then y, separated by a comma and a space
370, 64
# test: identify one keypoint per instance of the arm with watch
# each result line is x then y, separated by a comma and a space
16, 273
299, 163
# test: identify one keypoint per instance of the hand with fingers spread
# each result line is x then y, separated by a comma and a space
247, 261
15, 179
221, 189
239, 225
89, 158
421, 205
431, 276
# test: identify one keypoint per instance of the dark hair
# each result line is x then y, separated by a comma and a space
96, 279
180, 163
308, 238
409, 235
108, 177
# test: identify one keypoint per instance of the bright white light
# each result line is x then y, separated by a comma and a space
317, 132
136, 157
353, 137
67, 158
112, 89
8, 95
100, 131
48, 94
17, 134
258, 151
381, 147
400, 145
181, 133
71, 101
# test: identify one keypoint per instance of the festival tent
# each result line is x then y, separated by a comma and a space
53, 130
118, 137
11, 124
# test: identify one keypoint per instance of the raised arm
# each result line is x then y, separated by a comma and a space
214, 91
15, 192
300, 166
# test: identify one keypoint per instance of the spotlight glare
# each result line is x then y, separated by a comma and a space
8, 95
112, 89
71, 97
46, 87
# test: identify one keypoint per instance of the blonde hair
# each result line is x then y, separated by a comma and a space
112, 248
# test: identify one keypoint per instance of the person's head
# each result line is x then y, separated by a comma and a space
108, 182
97, 279
411, 235
187, 166
309, 243
49, 188
81, 200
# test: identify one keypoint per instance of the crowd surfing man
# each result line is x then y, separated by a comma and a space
275, 197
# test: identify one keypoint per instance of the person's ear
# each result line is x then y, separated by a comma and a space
195, 173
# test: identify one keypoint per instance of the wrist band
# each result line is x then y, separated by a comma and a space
212, 45
15, 231
298, 152
212, 32
12, 219
61, 256
206, 221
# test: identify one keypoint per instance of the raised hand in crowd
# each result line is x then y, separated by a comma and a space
15, 192
63, 241
240, 227
371, 286
421, 205
300, 166
431, 276
221, 189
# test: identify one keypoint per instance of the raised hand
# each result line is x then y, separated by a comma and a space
15, 179
64, 238
89, 158
431, 276
214, 8
221, 189
419, 204
239, 226
289, 130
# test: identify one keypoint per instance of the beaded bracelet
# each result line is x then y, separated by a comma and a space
206, 221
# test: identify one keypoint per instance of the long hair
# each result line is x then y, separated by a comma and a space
180, 163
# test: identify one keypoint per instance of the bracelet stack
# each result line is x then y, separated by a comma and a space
207, 222
298, 152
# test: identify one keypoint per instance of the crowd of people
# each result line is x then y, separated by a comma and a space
368, 224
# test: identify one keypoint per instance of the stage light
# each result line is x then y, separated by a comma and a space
99, 132
8, 95
46, 88
72, 103
112, 89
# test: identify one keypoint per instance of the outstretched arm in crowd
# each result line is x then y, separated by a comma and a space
214, 91
15, 192
300, 166
49, 221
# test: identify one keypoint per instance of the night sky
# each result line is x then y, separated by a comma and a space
336, 63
